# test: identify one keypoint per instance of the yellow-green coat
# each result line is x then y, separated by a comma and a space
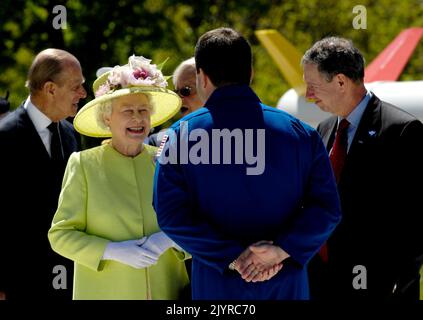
108, 197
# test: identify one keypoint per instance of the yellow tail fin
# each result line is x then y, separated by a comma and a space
286, 57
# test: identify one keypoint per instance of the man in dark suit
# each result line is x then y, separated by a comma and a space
373, 252
35, 143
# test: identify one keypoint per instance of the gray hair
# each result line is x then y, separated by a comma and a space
335, 55
186, 66
48, 65
103, 109
106, 108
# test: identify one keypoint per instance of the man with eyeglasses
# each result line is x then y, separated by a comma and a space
184, 82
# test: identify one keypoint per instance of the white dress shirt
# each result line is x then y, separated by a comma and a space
354, 117
41, 122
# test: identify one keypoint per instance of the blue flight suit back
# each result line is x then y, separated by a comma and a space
215, 210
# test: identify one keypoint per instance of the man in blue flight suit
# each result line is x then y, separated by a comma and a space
248, 190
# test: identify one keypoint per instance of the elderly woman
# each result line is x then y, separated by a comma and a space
105, 221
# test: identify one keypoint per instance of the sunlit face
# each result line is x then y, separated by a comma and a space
191, 102
69, 90
323, 93
129, 121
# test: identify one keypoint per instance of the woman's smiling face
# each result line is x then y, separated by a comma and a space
130, 120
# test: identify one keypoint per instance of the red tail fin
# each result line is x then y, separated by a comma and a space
389, 64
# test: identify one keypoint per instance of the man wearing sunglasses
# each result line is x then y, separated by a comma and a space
184, 83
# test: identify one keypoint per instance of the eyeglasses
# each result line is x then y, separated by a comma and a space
184, 91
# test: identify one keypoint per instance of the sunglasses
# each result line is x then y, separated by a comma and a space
184, 91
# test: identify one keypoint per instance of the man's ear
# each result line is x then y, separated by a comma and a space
49, 88
342, 81
204, 79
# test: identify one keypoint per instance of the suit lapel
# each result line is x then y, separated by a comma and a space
68, 139
328, 132
366, 134
364, 142
32, 139
368, 128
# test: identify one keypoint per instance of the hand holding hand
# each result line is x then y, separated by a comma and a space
260, 261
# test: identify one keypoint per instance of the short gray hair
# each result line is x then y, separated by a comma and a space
106, 107
334, 55
48, 65
186, 66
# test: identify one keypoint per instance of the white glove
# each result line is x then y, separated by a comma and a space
130, 253
159, 242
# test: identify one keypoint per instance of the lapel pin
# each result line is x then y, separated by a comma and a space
372, 133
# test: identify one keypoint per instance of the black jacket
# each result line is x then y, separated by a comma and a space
29, 188
382, 208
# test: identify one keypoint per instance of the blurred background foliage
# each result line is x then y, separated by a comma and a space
101, 33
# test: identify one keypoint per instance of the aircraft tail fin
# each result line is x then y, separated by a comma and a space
388, 65
285, 55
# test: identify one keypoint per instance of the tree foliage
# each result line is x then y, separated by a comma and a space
101, 33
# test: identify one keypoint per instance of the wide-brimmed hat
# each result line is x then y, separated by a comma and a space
138, 76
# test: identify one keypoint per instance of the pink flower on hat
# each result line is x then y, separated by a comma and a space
103, 89
138, 72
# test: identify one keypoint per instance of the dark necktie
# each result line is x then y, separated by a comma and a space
55, 146
337, 157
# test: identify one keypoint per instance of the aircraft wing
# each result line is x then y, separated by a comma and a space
388, 65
